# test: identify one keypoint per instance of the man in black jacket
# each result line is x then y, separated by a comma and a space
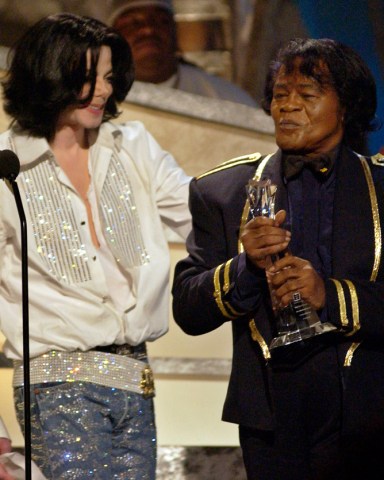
313, 409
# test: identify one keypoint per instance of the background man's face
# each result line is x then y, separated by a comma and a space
151, 34
308, 118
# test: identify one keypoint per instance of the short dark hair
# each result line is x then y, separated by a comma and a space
48, 69
348, 74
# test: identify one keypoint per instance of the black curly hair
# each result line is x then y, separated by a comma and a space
48, 69
348, 74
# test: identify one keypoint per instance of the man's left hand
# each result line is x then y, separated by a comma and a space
290, 275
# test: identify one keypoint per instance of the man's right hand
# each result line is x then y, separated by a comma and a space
5, 446
263, 236
4, 475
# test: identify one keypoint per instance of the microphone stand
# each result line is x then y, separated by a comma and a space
25, 303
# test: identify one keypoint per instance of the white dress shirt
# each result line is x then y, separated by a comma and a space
139, 188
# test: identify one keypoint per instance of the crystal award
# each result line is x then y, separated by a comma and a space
297, 321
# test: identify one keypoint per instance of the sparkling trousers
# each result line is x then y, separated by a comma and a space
81, 431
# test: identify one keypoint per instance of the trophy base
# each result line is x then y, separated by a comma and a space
299, 335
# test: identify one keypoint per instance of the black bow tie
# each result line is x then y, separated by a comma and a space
294, 164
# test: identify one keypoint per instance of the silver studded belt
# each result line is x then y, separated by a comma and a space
107, 369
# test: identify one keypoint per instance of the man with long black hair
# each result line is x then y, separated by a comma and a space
97, 196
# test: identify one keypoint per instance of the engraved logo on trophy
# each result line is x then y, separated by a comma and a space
297, 321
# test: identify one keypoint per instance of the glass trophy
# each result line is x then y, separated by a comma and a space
297, 321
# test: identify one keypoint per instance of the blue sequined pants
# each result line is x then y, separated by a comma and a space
82, 430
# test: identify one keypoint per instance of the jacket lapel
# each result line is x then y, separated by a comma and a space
353, 239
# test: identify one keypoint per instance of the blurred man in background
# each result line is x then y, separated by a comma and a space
150, 29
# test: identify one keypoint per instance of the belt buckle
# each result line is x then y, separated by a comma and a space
124, 349
147, 384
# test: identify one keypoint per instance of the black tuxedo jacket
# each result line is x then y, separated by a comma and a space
216, 284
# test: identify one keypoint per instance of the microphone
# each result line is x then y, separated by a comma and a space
9, 165
9, 169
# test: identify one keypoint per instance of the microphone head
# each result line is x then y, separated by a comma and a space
9, 165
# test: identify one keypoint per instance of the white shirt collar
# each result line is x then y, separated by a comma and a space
31, 149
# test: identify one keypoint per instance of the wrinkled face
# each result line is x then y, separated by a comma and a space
151, 34
308, 117
91, 115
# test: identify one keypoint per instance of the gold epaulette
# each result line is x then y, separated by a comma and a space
231, 163
378, 159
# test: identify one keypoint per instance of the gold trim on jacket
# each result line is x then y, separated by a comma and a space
376, 160
355, 321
